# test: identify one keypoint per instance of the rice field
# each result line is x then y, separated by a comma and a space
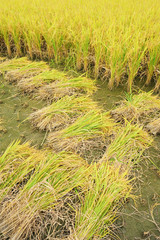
110, 39
73, 184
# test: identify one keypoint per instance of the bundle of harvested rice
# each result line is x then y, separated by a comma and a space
35, 185
33, 82
27, 71
17, 164
87, 135
59, 89
128, 145
61, 113
108, 188
154, 126
139, 108
13, 64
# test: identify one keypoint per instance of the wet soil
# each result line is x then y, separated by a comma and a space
14, 109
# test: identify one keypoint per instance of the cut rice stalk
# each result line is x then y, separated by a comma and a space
139, 108
86, 134
33, 82
44, 189
61, 113
27, 71
16, 165
128, 145
107, 190
154, 126
65, 87
13, 64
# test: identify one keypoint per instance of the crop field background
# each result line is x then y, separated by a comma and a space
117, 40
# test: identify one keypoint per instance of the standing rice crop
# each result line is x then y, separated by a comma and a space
61, 113
113, 38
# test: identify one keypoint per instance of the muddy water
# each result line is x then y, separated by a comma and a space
136, 221
14, 109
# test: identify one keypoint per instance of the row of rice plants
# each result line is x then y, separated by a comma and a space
109, 38
142, 108
38, 78
61, 195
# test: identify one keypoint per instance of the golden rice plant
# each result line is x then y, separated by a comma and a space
118, 45
61, 113
108, 188
140, 108
128, 145
29, 70
88, 135
59, 89
34, 182
153, 62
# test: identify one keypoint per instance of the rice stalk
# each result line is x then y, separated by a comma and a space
43, 180
59, 89
140, 108
13, 64
16, 165
27, 71
118, 45
128, 145
32, 82
107, 190
86, 135
61, 113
